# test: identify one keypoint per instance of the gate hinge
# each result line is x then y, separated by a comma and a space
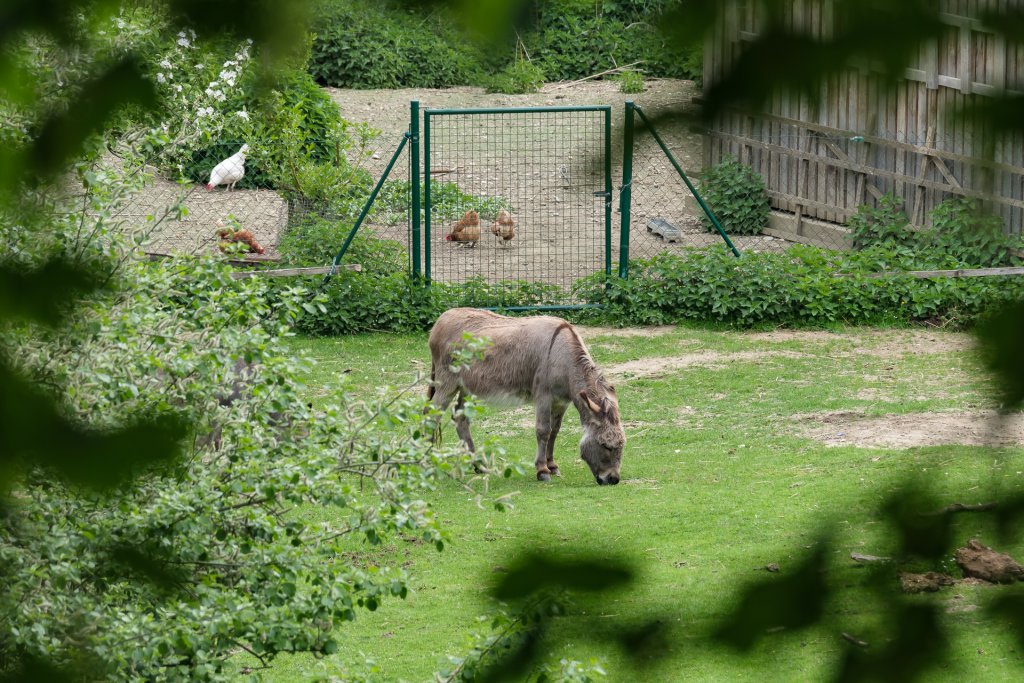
606, 195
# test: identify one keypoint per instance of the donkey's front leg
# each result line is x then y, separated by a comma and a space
557, 412
545, 438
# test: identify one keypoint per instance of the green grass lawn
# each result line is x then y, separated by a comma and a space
720, 479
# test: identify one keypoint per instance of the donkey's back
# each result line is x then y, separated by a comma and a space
521, 356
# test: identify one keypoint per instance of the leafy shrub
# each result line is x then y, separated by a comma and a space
886, 225
805, 286
737, 196
366, 44
197, 558
572, 39
631, 82
356, 302
315, 240
521, 76
961, 235
971, 237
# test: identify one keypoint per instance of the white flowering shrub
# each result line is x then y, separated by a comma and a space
298, 143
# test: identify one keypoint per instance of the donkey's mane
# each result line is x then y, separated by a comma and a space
591, 373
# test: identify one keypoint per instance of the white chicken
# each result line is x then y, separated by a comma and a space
229, 171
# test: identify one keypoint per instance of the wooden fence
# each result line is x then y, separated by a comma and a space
861, 140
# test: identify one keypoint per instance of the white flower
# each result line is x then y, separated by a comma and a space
199, 67
228, 77
183, 41
120, 23
242, 114
177, 88
166, 64
204, 111
160, 78
216, 94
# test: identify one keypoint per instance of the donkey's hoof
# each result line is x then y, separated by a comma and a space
543, 476
555, 472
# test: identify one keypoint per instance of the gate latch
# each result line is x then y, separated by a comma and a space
606, 195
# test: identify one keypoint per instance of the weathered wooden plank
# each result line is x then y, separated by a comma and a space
853, 166
292, 272
958, 273
876, 139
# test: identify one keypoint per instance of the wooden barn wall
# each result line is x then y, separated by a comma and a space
859, 141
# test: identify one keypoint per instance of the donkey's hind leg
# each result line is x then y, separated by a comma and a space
462, 423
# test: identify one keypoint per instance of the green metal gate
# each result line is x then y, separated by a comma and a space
547, 168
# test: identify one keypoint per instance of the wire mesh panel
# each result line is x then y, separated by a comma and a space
517, 197
665, 215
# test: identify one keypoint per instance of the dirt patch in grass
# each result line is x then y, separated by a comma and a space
645, 332
879, 343
982, 428
655, 367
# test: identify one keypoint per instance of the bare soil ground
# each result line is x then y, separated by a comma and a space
847, 428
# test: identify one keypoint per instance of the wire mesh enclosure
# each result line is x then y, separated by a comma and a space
660, 204
517, 197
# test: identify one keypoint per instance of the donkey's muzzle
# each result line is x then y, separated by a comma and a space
610, 479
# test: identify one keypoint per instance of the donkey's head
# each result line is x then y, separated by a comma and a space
603, 436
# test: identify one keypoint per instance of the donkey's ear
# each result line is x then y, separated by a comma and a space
594, 408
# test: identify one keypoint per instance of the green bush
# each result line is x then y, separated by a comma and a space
804, 286
631, 82
356, 302
362, 44
971, 237
736, 195
961, 236
573, 39
315, 240
886, 225
447, 201
521, 76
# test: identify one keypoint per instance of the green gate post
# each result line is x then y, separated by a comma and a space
608, 192
414, 178
426, 195
626, 194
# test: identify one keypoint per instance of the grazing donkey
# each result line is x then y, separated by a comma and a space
540, 359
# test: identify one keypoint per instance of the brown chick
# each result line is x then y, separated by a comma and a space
466, 230
504, 228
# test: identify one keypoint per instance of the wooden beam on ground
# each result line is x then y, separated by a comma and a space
959, 272
291, 272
